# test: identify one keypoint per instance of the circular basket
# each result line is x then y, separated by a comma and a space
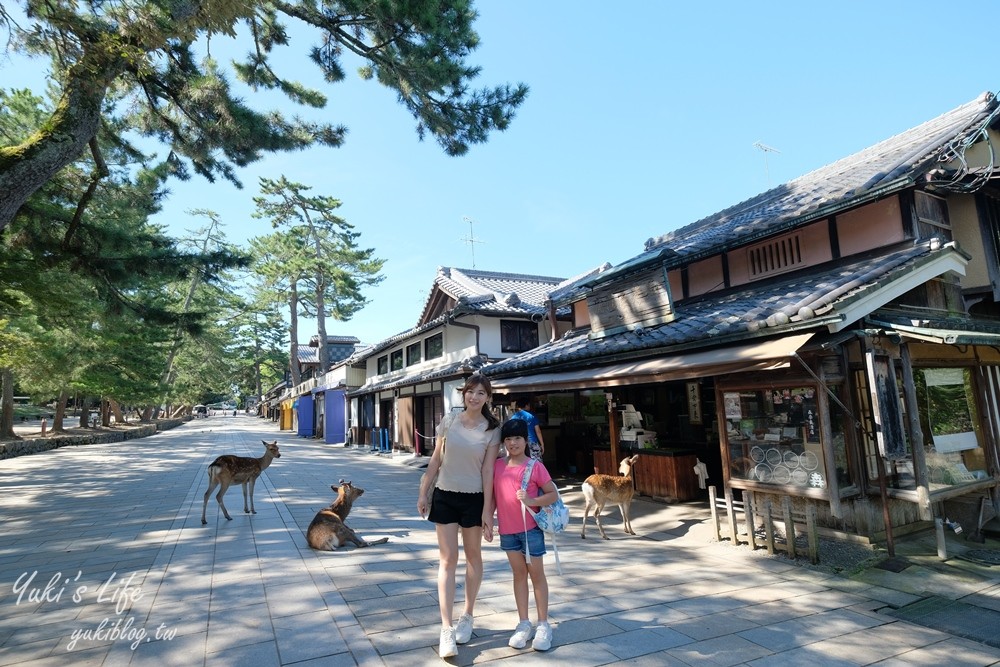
762, 473
781, 475
800, 477
790, 459
757, 454
809, 461
773, 456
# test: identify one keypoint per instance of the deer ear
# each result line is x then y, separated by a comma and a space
335, 489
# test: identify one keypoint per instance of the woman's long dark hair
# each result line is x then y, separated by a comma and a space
478, 380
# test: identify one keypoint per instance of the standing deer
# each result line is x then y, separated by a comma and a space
229, 469
601, 489
328, 531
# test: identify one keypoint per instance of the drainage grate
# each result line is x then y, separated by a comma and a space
981, 556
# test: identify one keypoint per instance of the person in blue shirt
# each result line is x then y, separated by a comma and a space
536, 445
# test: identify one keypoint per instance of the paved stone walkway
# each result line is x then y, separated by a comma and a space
104, 561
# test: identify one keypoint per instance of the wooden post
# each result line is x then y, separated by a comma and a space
812, 533
786, 508
712, 500
750, 518
731, 516
916, 435
768, 528
613, 427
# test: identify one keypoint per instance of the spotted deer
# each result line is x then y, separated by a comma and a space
328, 531
230, 469
601, 489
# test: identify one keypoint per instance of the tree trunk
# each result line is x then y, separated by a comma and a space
116, 410
293, 331
324, 355
60, 415
7, 405
27, 167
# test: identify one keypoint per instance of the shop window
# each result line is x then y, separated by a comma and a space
434, 346
950, 422
396, 360
518, 336
774, 437
413, 354
383, 365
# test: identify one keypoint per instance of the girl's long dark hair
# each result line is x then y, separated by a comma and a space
478, 380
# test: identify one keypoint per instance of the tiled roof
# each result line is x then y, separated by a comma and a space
796, 301
493, 292
424, 375
892, 164
486, 292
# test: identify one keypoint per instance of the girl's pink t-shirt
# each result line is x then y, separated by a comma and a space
506, 481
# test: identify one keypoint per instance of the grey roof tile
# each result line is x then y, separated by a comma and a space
795, 301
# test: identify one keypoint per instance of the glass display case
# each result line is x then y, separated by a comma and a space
773, 436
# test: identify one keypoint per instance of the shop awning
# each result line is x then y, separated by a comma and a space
758, 356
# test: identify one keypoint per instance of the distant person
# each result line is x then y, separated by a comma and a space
536, 445
520, 537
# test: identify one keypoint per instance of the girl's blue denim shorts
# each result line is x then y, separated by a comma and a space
516, 541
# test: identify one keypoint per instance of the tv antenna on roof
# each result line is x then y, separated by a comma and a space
764, 148
471, 239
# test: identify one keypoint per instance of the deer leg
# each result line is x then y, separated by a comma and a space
600, 526
626, 519
251, 509
211, 485
223, 487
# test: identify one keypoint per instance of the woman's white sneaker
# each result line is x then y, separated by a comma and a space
447, 648
543, 637
463, 631
522, 633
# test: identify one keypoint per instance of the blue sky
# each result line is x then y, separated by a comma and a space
642, 117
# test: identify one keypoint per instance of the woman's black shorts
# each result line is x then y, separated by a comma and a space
465, 509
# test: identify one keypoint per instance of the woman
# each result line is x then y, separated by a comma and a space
462, 503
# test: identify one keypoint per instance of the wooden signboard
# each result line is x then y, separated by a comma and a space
639, 302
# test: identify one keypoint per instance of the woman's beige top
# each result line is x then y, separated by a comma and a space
464, 452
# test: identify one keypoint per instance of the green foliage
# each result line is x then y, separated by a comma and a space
144, 66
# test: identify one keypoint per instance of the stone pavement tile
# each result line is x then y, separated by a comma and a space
264, 654
385, 622
395, 603
878, 643
720, 651
307, 636
294, 599
659, 659
713, 625
405, 639
957, 618
338, 609
805, 655
950, 652
988, 598
889, 596
179, 618
10, 655
233, 628
709, 604
236, 595
639, 642
370, 592
646, 617
808, 629
580, 630
180, 651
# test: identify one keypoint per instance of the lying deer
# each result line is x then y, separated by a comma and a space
229, 469
601, 489
328, 531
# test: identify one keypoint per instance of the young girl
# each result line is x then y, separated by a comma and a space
518, 535
462, 504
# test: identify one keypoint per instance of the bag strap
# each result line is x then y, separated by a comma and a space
525, 509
